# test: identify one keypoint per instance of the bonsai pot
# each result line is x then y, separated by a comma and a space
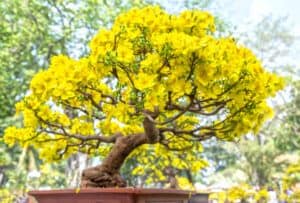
114, 195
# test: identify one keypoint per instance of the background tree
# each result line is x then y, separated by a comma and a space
31, 32
120, 97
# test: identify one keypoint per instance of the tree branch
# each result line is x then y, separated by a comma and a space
111, 98
94, 103
105, 139
82, 110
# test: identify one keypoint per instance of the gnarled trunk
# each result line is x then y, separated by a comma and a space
108, 173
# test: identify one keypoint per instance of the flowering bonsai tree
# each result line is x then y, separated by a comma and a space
152, 81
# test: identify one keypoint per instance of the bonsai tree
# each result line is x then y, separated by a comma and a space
152, 81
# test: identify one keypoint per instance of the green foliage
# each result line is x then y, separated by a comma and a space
288, 139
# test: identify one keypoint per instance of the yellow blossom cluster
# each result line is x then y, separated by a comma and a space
291, 182
240, 193
186, 159
148, 61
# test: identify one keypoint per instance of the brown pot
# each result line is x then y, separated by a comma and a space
114, 195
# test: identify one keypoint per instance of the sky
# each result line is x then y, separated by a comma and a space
240, 11
253, 10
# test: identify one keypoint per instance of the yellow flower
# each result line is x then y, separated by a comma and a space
144, 81
148, 60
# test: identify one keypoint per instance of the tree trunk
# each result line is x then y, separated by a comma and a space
108, 173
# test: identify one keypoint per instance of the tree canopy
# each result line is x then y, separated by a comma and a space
164, 80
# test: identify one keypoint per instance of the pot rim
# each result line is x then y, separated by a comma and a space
128, 190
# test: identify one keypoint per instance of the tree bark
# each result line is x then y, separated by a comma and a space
108, 173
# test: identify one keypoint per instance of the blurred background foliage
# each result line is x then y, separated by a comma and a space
32, 31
